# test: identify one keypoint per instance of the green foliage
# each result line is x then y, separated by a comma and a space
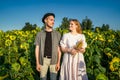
101, 77
29, 27
101, 51
17, 58
105, 27
62, 31
65, 23
86, 24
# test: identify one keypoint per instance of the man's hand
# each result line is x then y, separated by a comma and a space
38, 67
57, 67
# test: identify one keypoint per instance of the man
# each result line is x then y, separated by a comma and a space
47, 51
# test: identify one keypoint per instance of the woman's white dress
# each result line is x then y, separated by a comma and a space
73, 67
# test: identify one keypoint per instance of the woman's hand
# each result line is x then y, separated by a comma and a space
82, 50
73, 51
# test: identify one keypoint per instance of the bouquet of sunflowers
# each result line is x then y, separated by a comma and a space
79, 44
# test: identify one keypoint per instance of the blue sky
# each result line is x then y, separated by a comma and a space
15, 13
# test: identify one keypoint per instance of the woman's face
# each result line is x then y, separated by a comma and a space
72, 26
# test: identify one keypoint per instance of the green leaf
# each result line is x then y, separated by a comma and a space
96, 71
96, 59
101, 77
102, 69
16, 66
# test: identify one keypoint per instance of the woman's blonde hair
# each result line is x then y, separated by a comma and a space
78, 29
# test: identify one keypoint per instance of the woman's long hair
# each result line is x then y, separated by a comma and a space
78, 29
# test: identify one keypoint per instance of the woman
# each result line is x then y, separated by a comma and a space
73, 65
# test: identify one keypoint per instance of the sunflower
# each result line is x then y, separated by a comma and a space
8, 42
12, 37
79, 44
24, 46
114, 64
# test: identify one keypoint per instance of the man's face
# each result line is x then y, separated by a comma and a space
49, 21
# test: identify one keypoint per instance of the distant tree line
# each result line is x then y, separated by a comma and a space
86, 24
29, 26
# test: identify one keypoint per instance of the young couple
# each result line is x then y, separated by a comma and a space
50, 45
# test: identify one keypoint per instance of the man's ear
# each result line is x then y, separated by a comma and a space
45, 20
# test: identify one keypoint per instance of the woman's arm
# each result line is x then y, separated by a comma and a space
65, 50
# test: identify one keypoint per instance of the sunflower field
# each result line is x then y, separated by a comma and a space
17, 54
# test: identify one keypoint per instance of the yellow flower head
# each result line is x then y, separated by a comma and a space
113, 36
108, 54
34, 31
8, 42
110, 40
24, 46
114, 64
12, 37
79, 44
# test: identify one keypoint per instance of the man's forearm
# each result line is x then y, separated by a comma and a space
37, 54
59, 55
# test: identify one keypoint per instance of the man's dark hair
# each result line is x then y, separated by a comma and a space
46, 15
